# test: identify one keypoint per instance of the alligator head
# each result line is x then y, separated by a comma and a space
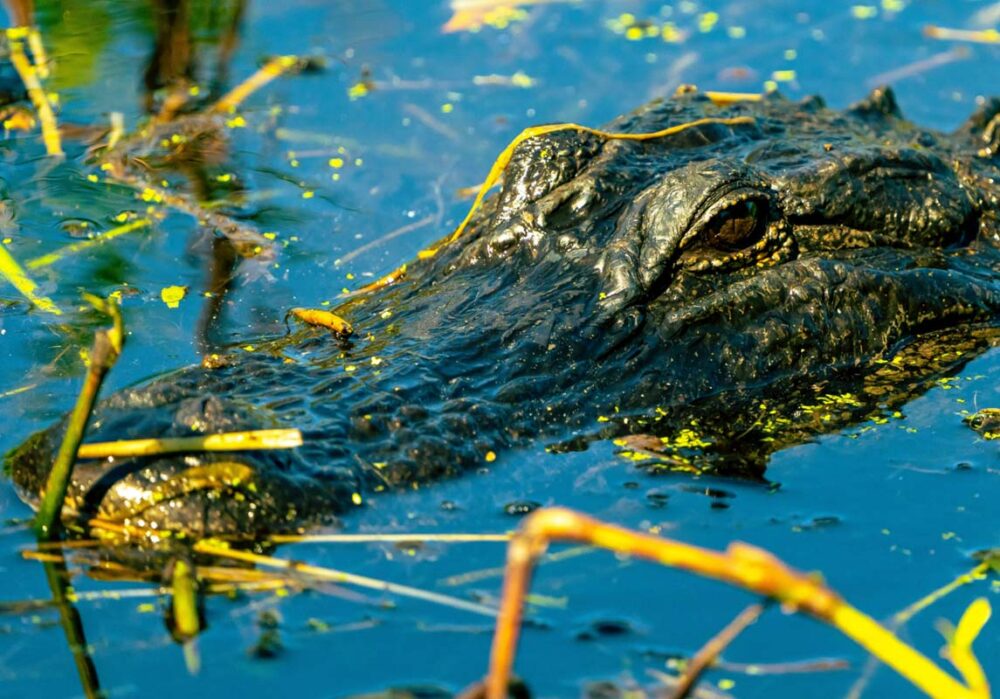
713, 280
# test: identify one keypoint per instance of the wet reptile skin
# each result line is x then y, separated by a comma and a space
712, 287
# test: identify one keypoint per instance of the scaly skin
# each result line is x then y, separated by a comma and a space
711, 287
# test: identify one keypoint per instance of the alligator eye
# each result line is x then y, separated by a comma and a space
977, 422
736, 227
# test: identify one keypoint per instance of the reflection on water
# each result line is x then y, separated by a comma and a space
348, 172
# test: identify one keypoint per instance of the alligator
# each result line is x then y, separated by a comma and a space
751, 275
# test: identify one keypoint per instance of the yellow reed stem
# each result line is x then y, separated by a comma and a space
982, 36
29, 76
38, 53
741, 565
225, 441
266, 73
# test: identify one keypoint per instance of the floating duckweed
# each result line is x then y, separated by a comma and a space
356, 498
503, 16
237, 122
172, 295
863, 11
491, 457
308, 194
736, 32
783, 76
358, 90
522, 79
707, 21
686, 439
336, 162
447, 108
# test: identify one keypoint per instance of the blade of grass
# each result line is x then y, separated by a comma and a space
904, 615
98, 239
20, 280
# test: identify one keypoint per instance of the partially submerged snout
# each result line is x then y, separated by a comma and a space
753, 252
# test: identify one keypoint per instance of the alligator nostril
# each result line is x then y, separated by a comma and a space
364, 427
413, 412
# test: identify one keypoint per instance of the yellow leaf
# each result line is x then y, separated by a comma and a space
172, 295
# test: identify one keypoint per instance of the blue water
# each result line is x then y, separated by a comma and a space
884, 513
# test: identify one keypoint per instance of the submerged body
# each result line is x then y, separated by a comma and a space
712, 286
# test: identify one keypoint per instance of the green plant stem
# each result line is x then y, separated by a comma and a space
69, 619
102, 358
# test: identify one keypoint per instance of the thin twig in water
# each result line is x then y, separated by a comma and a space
708, 653
216, 548
386, 538
382, 240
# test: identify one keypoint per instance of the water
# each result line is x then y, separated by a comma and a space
886, 513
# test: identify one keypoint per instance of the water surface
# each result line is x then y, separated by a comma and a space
380, 142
